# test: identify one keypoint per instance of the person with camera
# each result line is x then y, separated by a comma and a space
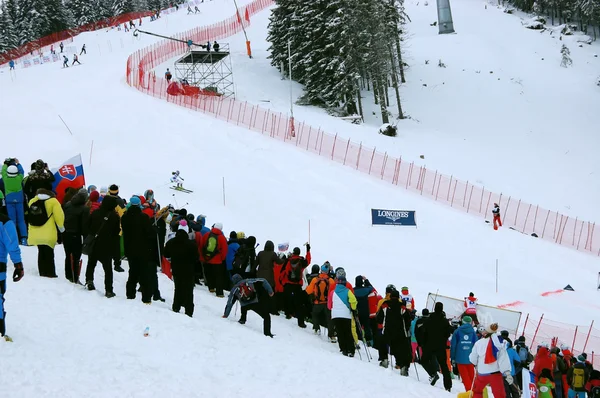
40, 177
12, 175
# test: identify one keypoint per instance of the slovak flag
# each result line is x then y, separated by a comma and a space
529, 387
69, 174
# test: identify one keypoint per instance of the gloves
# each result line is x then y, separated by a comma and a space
509, 378
18, 274
308, 247
455, 369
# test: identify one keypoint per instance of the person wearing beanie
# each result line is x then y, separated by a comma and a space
91, 188
315, 270
461, 345
362, 292
183, 254
436, 332
233, 246
107, 221
254, 295
318, 290
139, 239
12, 177
267, 263
76, 229
578, 376
491, 362
395, 318
46, 217
291, 279
470, 306
545, 384
93, 201
213, 254
342, 304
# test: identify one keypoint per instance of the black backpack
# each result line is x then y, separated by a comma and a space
38, 216
295, 274
595, 392
241, 260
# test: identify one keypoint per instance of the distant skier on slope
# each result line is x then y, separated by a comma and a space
75, 59
83, 51
62, 46
496, 213
9, 245
65, 61
11, 64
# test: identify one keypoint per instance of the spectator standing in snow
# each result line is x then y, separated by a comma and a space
362, 292
183, 255
318, 290
213, 253
11, 65
267, 261
40, 177
577, 377
291, 279
491, 362
105, 226
61, 47
76, 224
342, 303
253, 295
461, 345
75, 59
232, 248
9, 245
83, 50
395, 319
436, 333
496, 214
12, 177
46, 216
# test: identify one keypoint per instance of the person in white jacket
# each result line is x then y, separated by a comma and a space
491, 361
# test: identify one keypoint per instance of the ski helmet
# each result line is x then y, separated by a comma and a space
390, 288
340, 273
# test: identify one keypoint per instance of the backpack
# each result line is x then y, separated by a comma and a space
246, 292
211, 247
524, 354
595, 392
321, 294
578, 380
295, 274
241, 259
38, 216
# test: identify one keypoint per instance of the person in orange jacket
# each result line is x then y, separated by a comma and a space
318, 290
291, 279
213, 252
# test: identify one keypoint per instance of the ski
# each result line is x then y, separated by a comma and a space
181, 189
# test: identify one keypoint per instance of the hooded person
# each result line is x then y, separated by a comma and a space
9, 246
491, 363
436, 332
244, 262
292, 281
213, 253
183, 255
76, 224
105, 225
40, 177
138, 238
543, 360
46, 216
395, 318
113, 191
253, 295
462, 343
201, 219
93, 201
232, 248
342, 303
362, 293
315, 270
266, 260
577, 377
318, 290
12, 177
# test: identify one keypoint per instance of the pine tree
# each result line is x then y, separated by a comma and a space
8, 33
566, 57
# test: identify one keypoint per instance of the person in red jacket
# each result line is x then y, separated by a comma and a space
542, 360
93, 201
291, 279
213, 252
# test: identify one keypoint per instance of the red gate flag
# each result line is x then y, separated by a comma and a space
69, 174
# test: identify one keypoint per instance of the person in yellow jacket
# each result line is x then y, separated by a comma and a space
342, 303
45, 218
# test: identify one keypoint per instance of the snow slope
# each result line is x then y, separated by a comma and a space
503, 113
272, 191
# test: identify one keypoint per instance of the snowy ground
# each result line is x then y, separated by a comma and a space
70, 342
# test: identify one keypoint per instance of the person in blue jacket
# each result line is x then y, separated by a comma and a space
201, 219
11, 65
232, 248
461, 345
9, 245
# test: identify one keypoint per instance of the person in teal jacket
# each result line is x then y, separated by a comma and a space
12, 176
461, 345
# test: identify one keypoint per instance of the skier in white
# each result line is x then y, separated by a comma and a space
177, 179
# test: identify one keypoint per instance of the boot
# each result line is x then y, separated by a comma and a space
269, 335
242, 321
404, 371
90, 285
158, 298
384, 363
332, 339
433, 379
110, 294
118, 268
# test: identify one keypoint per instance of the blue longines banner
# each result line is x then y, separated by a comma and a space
393, 217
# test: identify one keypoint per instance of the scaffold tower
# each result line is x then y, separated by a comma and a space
207, 69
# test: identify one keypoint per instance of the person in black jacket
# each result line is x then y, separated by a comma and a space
139, 238
396, 330
40, 177
253, 295
76, 229
183, 254
105, 225
436, 332
244, 262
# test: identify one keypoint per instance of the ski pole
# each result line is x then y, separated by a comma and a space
416, 371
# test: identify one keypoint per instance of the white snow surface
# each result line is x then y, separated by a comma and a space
74, 343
